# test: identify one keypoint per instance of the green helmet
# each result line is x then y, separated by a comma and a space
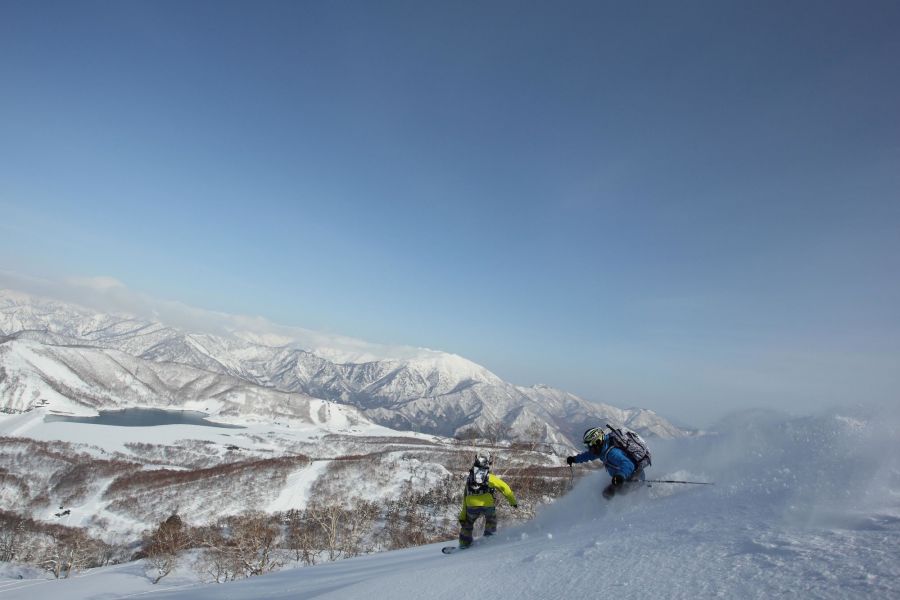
593, 436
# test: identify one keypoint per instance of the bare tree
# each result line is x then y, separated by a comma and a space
68, 551
163, 546
241, 546
12, 538
327, 517
255, 539
405, 525
301, 536
357, 522
214, 563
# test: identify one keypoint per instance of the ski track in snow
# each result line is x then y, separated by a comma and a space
807, 508
296, 491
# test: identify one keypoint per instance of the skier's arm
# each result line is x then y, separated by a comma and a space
497, 483
585, 457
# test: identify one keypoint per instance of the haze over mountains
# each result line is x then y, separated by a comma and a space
54, 351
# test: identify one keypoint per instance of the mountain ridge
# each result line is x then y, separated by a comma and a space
429, 391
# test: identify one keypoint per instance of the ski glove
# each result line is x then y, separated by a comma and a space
618, 480
570, 460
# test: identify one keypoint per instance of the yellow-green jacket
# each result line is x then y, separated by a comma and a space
487, 498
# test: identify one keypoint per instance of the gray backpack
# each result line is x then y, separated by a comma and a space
633, 445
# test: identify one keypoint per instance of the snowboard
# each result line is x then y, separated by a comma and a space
453, 549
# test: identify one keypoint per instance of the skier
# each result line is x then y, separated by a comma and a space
478, 500
624, 453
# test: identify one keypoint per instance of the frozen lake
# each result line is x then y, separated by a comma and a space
144, 417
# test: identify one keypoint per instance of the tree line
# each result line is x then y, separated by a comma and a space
252, 543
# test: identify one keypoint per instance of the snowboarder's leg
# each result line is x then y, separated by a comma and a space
490, 520
466, 526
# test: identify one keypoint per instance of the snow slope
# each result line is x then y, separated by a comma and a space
804, 507
319, 438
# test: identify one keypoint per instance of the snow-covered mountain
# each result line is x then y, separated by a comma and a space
408, 389
307, 424
79, 380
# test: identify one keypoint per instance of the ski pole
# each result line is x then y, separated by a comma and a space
673, 481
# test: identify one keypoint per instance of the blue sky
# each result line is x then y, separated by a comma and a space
686, 206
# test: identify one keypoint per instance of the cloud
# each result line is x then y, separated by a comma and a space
97, 283
109, 295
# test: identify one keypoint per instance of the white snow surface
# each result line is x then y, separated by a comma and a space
806, 508
296, 491
258, 439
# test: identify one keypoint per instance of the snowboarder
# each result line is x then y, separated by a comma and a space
478, 500
623, 453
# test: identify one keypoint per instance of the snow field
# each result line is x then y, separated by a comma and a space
806, 508
296, 491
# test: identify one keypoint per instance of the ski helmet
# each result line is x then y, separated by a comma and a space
482, 460
592, 436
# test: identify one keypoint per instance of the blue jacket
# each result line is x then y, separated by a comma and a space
614, 459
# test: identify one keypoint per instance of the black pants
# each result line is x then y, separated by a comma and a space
632, 483
468, 524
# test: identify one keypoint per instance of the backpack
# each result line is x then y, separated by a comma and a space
477, 482
633, 445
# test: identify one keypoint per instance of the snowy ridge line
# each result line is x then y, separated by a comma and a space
427, 391
473, 445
